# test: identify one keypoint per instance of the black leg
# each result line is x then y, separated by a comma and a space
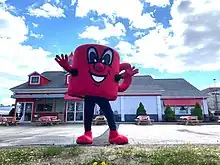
106, 107
88, 112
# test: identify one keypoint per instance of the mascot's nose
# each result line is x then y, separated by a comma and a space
99, 67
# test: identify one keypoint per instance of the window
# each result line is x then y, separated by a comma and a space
60, 105
35, 80
182, 110
68, 79
45, 105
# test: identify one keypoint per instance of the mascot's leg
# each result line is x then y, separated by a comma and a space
88, 115
114, 136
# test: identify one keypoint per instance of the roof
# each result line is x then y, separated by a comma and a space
57, 81
140, 84
211, 89
178, 87
144, 84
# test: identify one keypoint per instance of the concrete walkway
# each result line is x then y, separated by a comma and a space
67, 134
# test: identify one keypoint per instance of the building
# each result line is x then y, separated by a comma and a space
213, 98
44, 94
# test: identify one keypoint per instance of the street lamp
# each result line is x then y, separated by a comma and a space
215, 93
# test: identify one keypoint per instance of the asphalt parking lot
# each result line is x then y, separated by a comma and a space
67, 134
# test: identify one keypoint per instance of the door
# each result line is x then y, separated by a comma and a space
28, 111
70, 111
79, 112
24, 111
19, 111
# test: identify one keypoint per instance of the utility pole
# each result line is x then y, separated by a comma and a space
215, 93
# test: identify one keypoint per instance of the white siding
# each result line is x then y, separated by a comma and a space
131, 103
116, 105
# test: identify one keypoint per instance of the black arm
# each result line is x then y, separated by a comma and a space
74, 72
118, 77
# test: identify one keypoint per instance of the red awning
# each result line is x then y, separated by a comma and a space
67, 97
182, 102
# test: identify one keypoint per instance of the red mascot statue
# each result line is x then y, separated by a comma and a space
95, 76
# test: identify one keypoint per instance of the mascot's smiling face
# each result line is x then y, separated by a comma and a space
97, 66
100, 63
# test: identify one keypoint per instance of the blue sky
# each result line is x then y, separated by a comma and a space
165, 39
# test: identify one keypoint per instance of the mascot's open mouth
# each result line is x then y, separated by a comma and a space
98, 78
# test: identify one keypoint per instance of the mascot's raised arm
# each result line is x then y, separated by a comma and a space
95, 75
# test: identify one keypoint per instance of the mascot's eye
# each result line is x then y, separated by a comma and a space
107, 57
92, 55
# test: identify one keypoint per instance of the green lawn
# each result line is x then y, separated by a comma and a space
112, 155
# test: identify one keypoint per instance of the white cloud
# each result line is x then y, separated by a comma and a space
35, 35
95, 33
6, 7
47, 10
159, 3
57, 1
117, 8
18, 59
73, 2
126, 48
35, 25
193, 46
3, 1
10, 25
139, 34
191, 42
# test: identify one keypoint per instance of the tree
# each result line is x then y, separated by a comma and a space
141, 110
169, 114
197, 111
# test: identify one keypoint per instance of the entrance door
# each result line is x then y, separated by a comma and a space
79, 115
75, 111
24, 111
28, 111
70, 111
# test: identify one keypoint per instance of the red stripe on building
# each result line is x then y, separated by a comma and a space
182, 102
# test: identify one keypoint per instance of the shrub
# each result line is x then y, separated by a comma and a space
141, 110
197, 111
169, 114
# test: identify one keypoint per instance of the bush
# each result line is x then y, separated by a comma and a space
169, 114
197, 111
141, 110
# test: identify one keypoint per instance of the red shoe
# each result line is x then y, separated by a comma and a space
85, 139
115, 138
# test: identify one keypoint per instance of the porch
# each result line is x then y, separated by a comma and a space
30, 110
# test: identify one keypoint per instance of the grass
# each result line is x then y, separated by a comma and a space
112, 155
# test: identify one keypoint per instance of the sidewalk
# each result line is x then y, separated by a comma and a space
144, 135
